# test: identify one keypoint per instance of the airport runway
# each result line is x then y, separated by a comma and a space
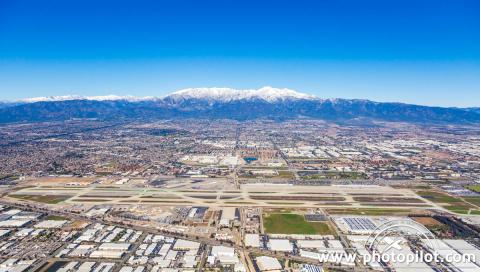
264, 195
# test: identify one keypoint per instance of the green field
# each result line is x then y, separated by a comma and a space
475, 188
438, 197
48, 199
461, 208
451, 203
289, 223
472, 200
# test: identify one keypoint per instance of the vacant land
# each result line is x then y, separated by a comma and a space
368, 211
370, 199
289, 223
427, 221
91, 200
285, 174
48, 199
331, 175
296, 198
475, 200
56, 217
433, 225
63, 180
104, 196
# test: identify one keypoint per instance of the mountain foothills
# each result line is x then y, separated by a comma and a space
226, 103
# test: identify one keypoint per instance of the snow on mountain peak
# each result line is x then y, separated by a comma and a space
267, 93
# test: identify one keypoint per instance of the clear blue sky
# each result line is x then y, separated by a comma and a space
423, 52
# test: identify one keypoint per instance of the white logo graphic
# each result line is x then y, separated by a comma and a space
395, 233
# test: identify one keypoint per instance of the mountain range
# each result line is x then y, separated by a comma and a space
226, 103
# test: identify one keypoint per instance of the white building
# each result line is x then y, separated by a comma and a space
51, 224
181, 244
280, 245
252, 240
115, 246
107, 254
228, 215
266, 263
225, 255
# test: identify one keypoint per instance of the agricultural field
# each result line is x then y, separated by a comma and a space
290, 223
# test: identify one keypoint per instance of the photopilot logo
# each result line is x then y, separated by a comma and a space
398, 229
403, 243
393, 241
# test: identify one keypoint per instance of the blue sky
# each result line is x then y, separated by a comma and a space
423, 52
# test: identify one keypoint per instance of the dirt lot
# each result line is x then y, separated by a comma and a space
427, 221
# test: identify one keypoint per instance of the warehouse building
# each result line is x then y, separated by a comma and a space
280, 245
266, 263
181, 244
252, 240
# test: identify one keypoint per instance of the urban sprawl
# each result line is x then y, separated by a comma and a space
223, 195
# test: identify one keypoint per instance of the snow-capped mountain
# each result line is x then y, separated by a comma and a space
226, 103
267, 93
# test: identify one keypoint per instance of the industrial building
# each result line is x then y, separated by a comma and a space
266, 263
280, 245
